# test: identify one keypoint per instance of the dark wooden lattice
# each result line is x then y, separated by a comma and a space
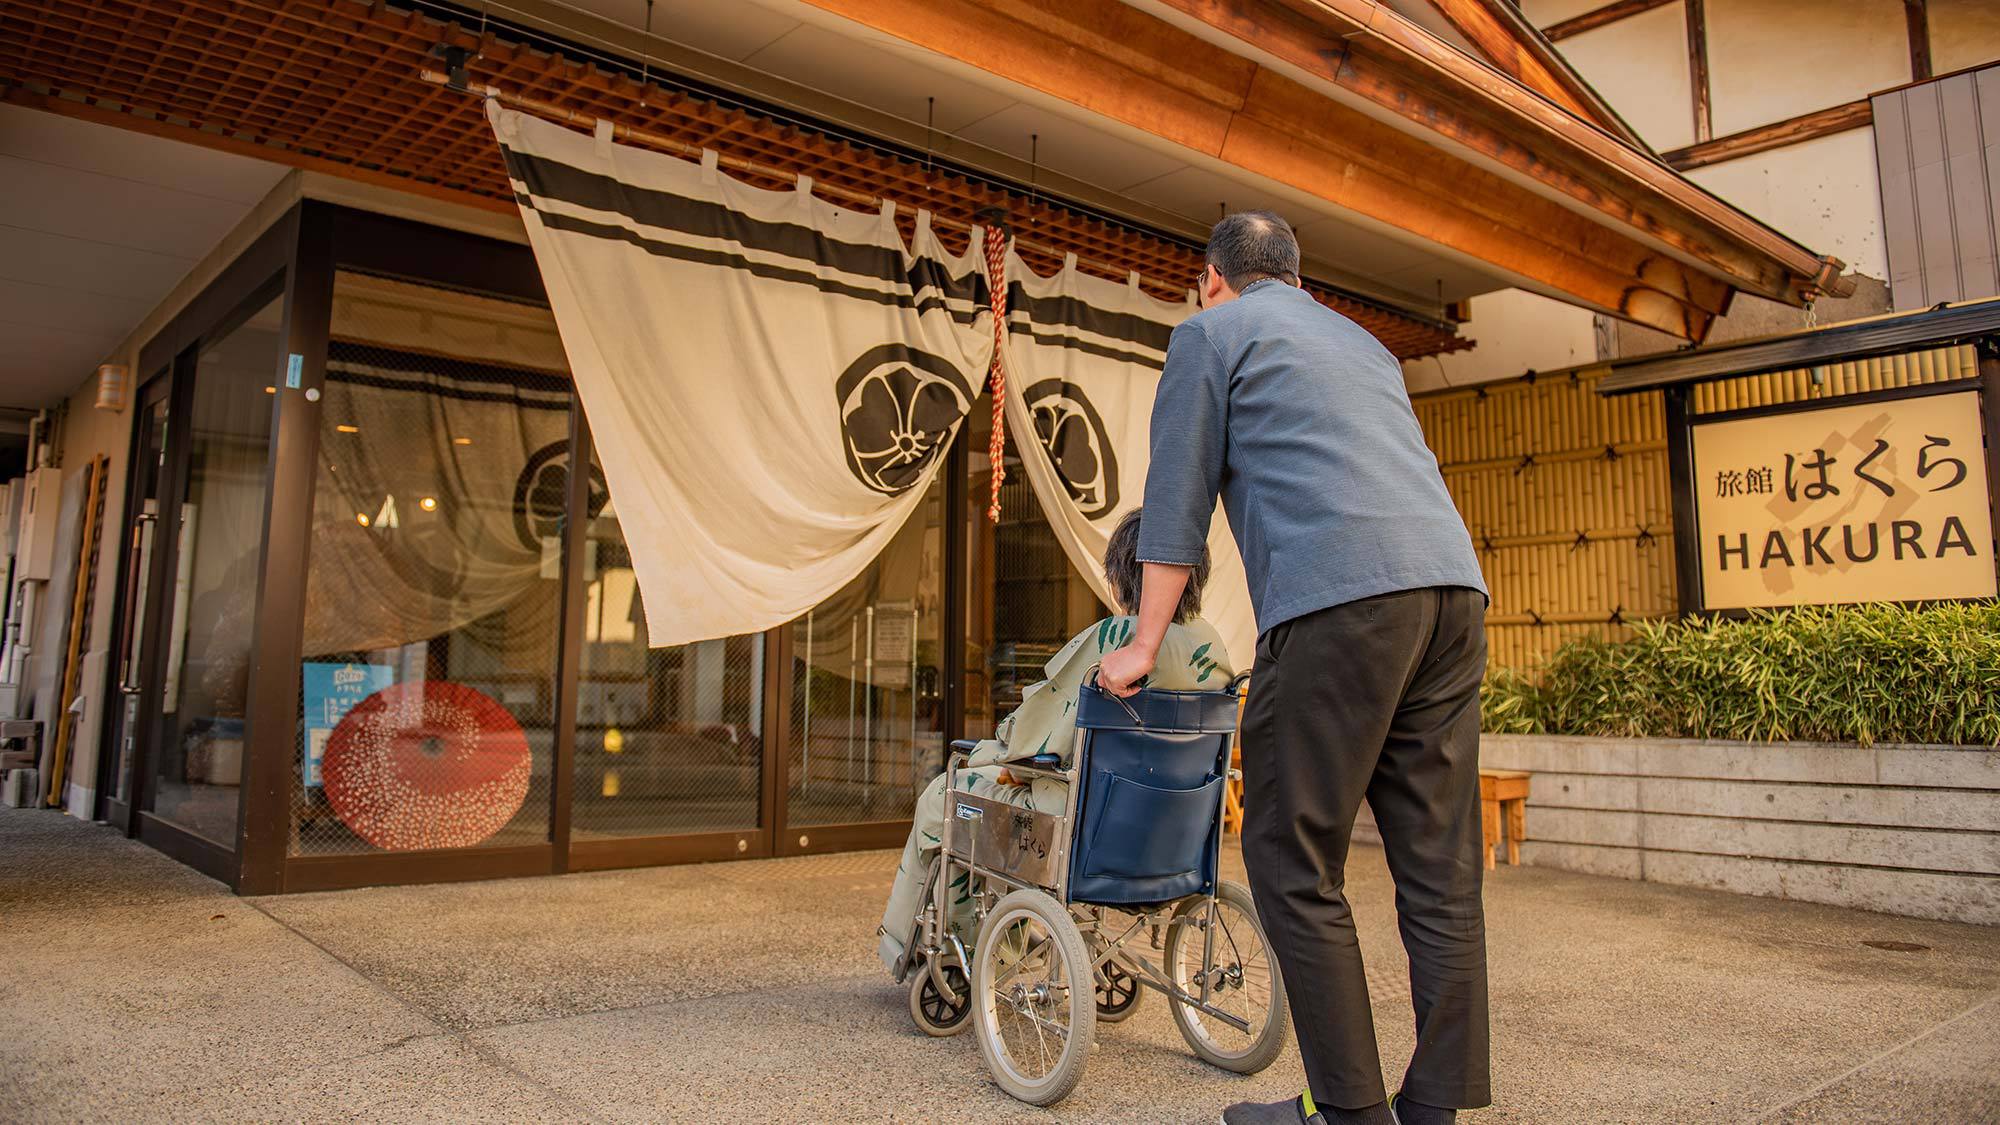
336, 83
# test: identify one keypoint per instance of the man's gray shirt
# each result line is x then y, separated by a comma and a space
1300, 420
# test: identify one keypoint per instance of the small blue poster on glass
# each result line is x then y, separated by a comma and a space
331, 691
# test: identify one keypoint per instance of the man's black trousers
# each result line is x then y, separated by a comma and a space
1378, 699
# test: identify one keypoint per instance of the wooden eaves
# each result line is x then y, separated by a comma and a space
1350, 102
1517, 48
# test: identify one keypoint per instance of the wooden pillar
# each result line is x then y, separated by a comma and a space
1697, 31
1917, 12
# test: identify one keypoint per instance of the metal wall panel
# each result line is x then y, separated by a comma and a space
1937, 152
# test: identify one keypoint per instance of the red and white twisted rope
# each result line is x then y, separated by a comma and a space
996, 285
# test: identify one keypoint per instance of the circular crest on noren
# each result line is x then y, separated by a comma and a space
1073, 433
541, 494
898, 410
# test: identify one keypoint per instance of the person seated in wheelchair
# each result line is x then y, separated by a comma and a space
1043, 729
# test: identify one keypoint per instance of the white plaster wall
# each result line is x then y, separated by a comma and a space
1542, 13
1639, 65
1824, 193
1773, 59
1514, 331
1964, 33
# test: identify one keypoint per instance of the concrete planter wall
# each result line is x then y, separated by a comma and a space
1903, 829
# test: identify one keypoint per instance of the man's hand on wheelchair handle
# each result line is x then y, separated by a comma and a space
1121, 670
1160, 592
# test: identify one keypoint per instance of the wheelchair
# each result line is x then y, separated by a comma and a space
1071, 907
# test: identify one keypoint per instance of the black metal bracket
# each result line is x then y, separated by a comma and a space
454, 65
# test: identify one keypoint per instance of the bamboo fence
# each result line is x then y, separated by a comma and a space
1568, 496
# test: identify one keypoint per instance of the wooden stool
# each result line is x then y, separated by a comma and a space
1504, 791
1232, 789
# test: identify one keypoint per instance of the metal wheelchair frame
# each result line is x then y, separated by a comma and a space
1013, 872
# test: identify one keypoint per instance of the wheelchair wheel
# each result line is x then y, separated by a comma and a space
934, 1013
1034, 1004
1118, 993
1224, 947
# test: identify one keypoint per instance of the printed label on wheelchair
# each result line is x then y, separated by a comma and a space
1019, 843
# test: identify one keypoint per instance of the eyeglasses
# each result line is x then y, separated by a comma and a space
1200, 278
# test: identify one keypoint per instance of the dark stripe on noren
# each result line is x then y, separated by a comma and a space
551, 179
1130, 327
662, 249
1057, 340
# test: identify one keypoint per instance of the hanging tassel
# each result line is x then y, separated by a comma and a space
996, 285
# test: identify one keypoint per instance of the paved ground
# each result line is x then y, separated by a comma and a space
133, 988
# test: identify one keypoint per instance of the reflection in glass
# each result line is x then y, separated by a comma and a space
867, 713
215, 551
669, 740
433, 598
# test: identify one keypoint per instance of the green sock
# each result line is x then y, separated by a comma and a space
1377, 1114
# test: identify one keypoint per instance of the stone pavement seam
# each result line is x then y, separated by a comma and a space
1882, 1056
730, 993
491, 1058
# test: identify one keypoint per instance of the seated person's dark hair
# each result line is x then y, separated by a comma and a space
1124, 571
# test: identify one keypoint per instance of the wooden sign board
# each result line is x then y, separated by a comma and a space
1883, 501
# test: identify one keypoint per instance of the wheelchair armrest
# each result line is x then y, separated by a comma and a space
965, 745
1025, 771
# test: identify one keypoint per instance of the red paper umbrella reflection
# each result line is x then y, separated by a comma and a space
429, 764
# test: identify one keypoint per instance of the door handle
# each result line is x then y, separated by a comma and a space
137, 554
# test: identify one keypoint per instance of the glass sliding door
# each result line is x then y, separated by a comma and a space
669, 741
138, 600
867, 715
214, 548
433, 600
1024, 598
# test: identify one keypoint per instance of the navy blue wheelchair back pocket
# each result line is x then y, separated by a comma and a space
1144, 832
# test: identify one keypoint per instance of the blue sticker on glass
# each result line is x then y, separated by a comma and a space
294, 368
331, 691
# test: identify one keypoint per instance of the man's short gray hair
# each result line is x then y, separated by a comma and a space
1126, 574
1249, 245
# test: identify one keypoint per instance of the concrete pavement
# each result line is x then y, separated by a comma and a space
134, 988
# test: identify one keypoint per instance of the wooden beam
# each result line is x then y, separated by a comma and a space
1697, 38
1778, 134
1513, 45
1296, 136
1599, 17
1409, 73
1104, 59
1917, 14
1498, 40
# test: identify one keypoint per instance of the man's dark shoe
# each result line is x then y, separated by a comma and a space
1292, 1111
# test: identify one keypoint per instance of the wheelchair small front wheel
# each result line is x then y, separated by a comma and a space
1218, 954
935, 1013
1034, 1000
1118, 993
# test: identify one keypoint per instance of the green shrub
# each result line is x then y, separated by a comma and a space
1843, 674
